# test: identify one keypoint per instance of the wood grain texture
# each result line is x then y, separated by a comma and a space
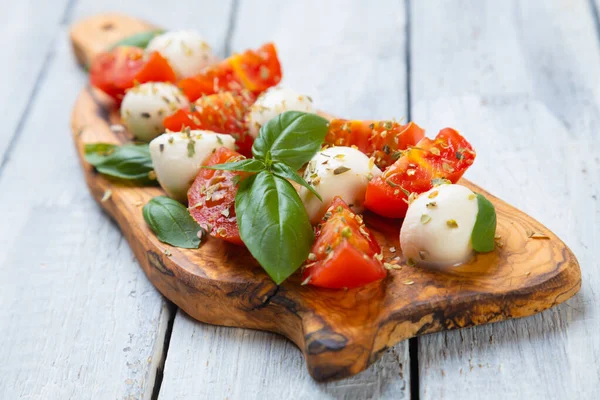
27, 35
255, 364
519, 79
78, 319
339, 332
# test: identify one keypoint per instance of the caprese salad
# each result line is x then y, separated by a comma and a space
250, 162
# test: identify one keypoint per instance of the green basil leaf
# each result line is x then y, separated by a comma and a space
484, 231
286, 172
95, 153
130, 161
172, 222
273, 224
292, 138
251, 165
140, 40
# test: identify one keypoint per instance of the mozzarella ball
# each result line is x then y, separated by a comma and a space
438, 225
337, 171
178, 156
145, 107
271, 103
186, 51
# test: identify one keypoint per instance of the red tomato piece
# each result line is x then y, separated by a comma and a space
211, 198
345, 254
120, 69
254, 70
383, 140
221, 112
156, 69
448, 156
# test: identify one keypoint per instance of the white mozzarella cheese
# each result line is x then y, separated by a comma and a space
178, 156
145, 106
337, 171
273, 102
186, 51
438, 225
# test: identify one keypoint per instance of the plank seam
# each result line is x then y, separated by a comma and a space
172, 309
68, 13
39, 80
595, 18
413, 343
231, 27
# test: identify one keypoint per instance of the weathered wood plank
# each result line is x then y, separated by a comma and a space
348, 71
27, 34
78, 317
520, 80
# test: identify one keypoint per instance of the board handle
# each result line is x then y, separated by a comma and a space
93, 35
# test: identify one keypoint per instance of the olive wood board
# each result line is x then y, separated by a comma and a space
340, 332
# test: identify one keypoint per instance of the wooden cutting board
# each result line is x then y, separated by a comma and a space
340, 332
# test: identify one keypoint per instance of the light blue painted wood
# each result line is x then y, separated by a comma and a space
520, 80
78, 317
350, 64
27, 35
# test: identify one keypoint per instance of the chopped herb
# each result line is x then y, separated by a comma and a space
536, 235
431, 204
346, 232
434, 151
106, 196
440, 181
161, 147
340, 170
452, 223
191, 148
425, 219
446, 167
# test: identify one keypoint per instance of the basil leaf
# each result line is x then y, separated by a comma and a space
484, 231
273, 224
286, 172
140, 40
130, 161
292, 138
96, 152
251, 165
171, 222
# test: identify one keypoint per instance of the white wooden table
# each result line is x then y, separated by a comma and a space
521, 79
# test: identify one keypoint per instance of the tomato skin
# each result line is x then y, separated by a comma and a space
448, 156
116, 71
156, 69
344, 251
222, 113
253, 70
383, 140
211, 198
